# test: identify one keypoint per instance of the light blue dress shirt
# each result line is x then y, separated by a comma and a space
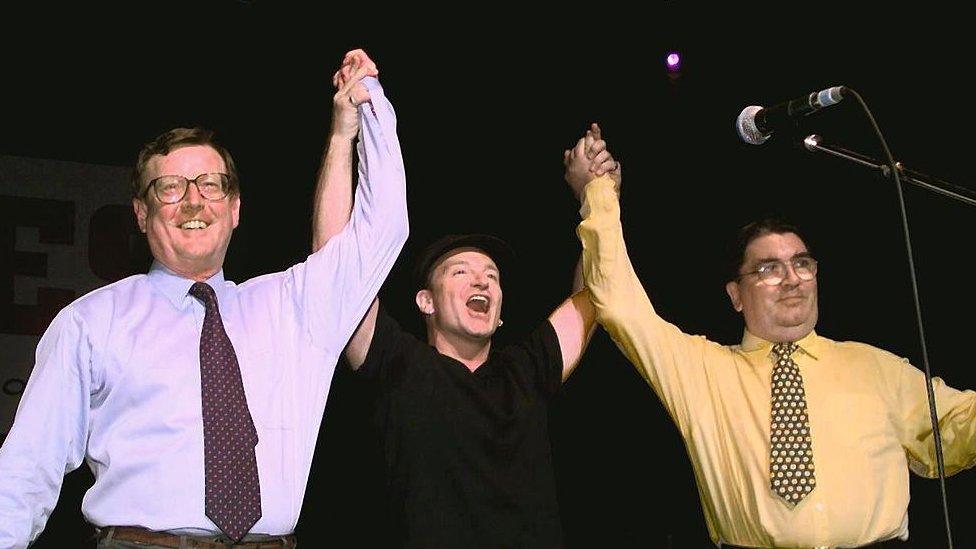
116, 380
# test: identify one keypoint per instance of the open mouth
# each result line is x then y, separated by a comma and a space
193, 224
478, 303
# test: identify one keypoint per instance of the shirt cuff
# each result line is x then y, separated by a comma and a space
596, 193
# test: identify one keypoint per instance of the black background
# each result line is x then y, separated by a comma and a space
487, 99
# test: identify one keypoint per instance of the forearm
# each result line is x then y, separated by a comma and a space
345, 275
366, 245
28, 488
957, 424
607, 271
380, 210
333, 191
604, 264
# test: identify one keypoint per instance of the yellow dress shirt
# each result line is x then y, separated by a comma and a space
868, 412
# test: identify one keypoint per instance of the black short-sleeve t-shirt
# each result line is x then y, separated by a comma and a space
467, 453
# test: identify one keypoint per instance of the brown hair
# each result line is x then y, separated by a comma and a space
175, 139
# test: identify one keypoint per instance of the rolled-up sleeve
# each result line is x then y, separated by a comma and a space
338, 282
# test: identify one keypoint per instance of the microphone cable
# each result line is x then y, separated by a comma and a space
937, 435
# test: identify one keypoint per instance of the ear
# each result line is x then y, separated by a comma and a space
732, 288
235, 208
425, 301
141, 210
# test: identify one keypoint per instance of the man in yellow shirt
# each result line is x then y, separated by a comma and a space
795, 440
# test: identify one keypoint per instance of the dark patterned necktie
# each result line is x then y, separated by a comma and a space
233, 495
791, 470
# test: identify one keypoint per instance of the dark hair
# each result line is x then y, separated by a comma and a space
175, 139
752, 231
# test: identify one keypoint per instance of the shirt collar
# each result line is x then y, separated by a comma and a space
176, 288
809, 343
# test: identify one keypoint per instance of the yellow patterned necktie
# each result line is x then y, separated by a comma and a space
791, 471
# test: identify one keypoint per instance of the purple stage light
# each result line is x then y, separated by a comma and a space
673, 61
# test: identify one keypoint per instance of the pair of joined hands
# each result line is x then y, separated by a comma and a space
589, 159
350, 92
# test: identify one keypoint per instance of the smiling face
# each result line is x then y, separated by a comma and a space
785, 312
191, 236
464, 298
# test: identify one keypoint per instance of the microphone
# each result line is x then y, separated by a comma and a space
756, 124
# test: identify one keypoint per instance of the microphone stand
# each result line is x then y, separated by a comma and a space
897, 172
815, 143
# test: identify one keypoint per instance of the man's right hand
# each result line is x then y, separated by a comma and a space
590, 159
350, 93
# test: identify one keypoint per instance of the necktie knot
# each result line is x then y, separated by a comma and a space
203, 292
783, 350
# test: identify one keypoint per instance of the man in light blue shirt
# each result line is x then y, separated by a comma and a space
117, 377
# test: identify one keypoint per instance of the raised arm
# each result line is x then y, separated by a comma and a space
333, 192
575, 319
357, 242
333, 189
670, 361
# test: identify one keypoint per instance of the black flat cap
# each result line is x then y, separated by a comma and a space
497, 249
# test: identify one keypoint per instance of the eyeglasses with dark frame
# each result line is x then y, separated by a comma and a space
171, 189
773, 272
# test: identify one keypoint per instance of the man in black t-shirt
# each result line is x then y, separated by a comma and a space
464, 425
